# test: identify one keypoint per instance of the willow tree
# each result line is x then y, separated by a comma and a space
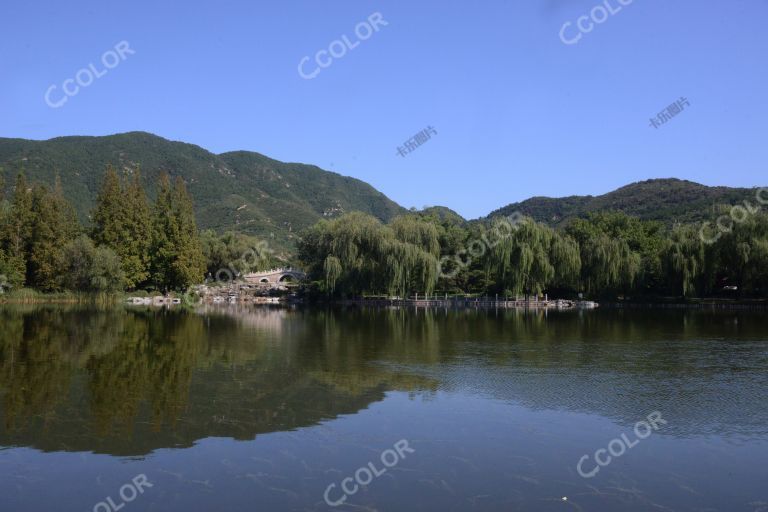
412, 230
415, 250
740, 254
683, 259
608, 264
619, 253
356, 254
522, 260
565, 256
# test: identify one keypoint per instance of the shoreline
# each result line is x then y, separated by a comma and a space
39, 298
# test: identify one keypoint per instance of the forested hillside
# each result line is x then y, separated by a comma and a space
241, 190
666, 200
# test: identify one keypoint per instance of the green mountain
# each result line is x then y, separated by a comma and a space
252, 193
666, 200
242, 190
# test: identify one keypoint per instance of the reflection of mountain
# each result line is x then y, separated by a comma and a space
704, 370
129, 382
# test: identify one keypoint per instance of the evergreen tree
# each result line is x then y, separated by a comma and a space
122, 222
53, 226
164, 228
109, 214
177, 255
18, 231
137, 220
188, 265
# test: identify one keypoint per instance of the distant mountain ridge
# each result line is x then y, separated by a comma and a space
255, 194
239, 190
666, 200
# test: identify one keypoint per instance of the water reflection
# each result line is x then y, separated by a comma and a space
128, 382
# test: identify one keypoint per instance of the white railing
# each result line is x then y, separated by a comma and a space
286, 270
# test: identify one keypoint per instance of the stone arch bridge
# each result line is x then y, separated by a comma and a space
275, 277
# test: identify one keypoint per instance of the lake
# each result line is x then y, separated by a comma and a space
278, 409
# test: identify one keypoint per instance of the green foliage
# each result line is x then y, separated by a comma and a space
740, 257
235, 253
53, 225
610, 247
40, 247
120, 222
92, 269
242, 191
606, 255
17, 227
664, 200
684, 259
533, 257
176, 250
620, 243
356, 254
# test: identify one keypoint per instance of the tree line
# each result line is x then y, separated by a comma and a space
605, 255
131, 244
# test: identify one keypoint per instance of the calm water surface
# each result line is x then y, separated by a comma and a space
264, 409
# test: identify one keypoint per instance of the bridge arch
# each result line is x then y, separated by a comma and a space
275, 277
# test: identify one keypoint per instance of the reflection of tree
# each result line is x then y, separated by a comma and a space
128, 382
352, 341
176, 346
33, 375
117, 379
153, 361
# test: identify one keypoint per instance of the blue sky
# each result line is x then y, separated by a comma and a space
518, 113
